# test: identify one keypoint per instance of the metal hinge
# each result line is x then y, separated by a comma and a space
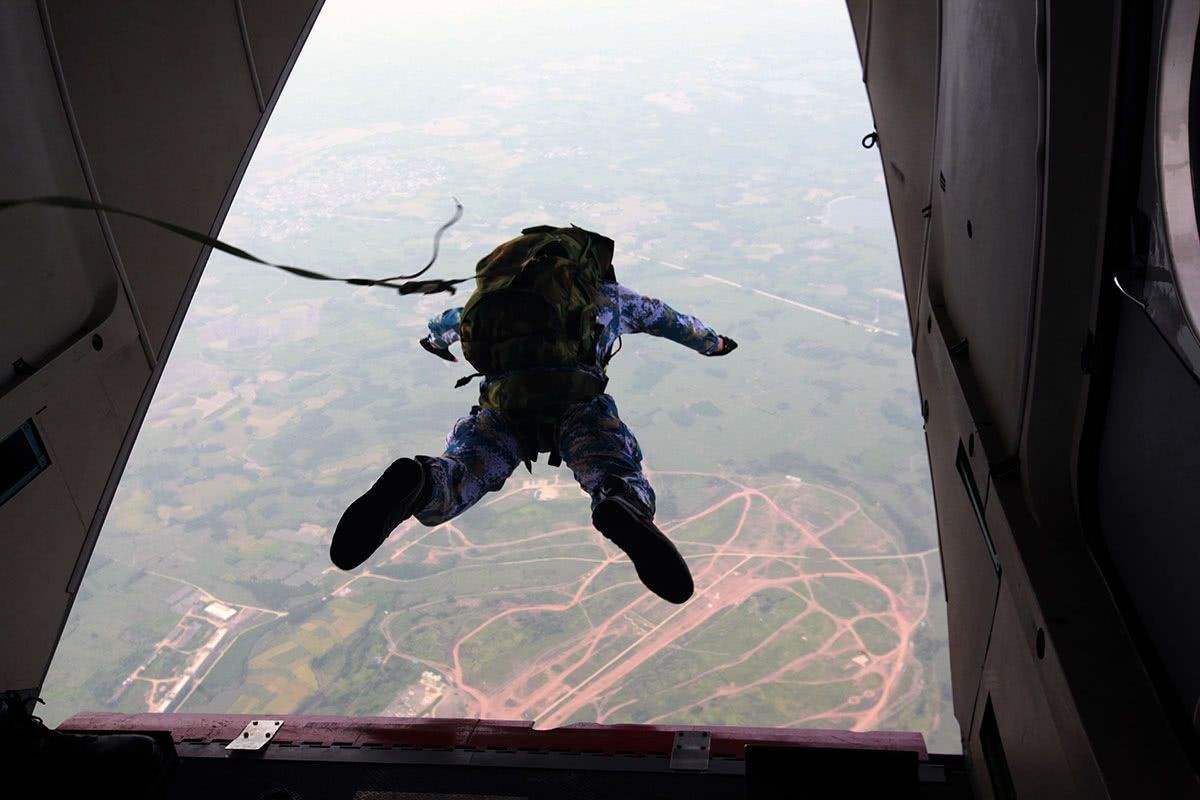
690, 750
256, 734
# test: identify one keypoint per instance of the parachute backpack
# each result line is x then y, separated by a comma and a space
530, 326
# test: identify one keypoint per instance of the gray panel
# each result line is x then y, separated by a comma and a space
82, 422
157, 99
902, 84
82, 431
57, 279
125, 372
1038, 763
970, 576
984, 232
165, 103
1079, 122
1000, 111
1149, 506
860, 13
1119, 735
60, 289
273, 27
34, 572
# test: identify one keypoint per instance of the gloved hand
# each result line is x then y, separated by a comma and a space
441, 352
726, 347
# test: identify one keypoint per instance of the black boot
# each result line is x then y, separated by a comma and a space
402, 490
626, 522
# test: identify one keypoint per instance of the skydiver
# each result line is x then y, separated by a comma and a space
540, 329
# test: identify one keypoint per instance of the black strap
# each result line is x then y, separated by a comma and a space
437, 244
463, 381
611, 352
409, 287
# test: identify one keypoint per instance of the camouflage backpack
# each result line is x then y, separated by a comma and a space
531, 322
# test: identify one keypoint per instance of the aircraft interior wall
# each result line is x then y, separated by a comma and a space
149, 105
1149, 460
1140, 462
1015, 318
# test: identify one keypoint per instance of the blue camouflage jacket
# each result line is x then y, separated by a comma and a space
625, 311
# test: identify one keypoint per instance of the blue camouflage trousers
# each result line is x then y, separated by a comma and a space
483, 450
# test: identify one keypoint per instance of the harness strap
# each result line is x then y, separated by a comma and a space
612, 352
543, 438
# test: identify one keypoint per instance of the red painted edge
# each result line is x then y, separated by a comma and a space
476, 734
